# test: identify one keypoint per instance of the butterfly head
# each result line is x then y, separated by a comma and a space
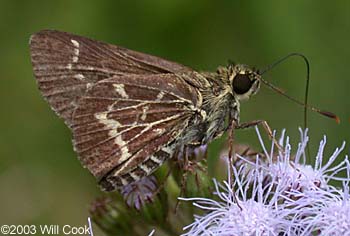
245, 81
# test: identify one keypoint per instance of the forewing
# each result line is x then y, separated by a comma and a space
122, 121
66, 65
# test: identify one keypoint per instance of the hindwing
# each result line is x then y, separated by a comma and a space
122, 121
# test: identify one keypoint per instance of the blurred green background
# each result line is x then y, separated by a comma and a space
41, 180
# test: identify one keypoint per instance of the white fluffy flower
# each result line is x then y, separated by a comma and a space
323, 211
332, 213
301, 176
252, 209
278, 195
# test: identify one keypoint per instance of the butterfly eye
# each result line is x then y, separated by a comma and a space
241, 83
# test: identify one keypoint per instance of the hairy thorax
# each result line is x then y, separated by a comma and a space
219, 105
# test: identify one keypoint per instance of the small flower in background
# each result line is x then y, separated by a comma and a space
138, 193
138, 210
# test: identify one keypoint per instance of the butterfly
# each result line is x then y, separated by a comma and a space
128, 111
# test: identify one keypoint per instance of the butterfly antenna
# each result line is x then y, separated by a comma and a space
305, 103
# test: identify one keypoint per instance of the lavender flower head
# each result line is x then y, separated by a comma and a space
252, 209
332, 213
324, 211
278, 195
138, 193
301, 176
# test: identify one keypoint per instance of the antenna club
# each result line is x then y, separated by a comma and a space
330, 115
337, 120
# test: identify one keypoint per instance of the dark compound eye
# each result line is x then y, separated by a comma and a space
241, 83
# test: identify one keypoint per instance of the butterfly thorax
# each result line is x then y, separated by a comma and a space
221, 102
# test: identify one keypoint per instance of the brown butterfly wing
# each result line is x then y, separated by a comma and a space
124, 121
66, 65
125, 108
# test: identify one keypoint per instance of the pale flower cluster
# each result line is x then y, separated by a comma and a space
280, 195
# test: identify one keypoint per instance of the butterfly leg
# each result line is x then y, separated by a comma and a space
232, 156
184, 164
266, 127
190, 162
231, 151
